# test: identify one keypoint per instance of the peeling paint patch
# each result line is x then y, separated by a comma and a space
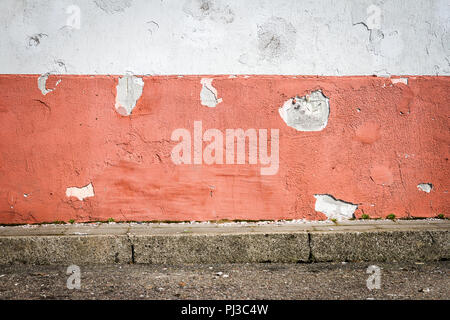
129, 90
425, 187
334, 208
307, 113
208, 94
42, 83
400, 80
80, 193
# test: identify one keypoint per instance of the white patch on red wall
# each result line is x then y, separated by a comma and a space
80, 193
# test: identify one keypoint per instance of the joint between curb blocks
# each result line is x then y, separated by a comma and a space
311, 256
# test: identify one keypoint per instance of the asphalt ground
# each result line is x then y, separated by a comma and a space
413, 280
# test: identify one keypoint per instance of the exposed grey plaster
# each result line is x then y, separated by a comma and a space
42, 83
334, 208
425, 187
307, 113
129, 90
208, 94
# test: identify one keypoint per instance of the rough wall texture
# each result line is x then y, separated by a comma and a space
98, 99
381, 141
324, 37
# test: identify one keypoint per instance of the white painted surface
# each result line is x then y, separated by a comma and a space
307, 113
324, 37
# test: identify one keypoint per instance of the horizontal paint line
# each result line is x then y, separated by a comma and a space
228, 76
220, 74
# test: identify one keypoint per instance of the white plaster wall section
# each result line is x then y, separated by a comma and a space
425, 187
215, 10
129, 90
439, 29
207, 25
323, 37
208, 94
307, 113
81, 193
334, 208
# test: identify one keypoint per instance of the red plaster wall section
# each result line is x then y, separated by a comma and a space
381, 141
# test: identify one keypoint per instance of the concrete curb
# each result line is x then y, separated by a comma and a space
384, 241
